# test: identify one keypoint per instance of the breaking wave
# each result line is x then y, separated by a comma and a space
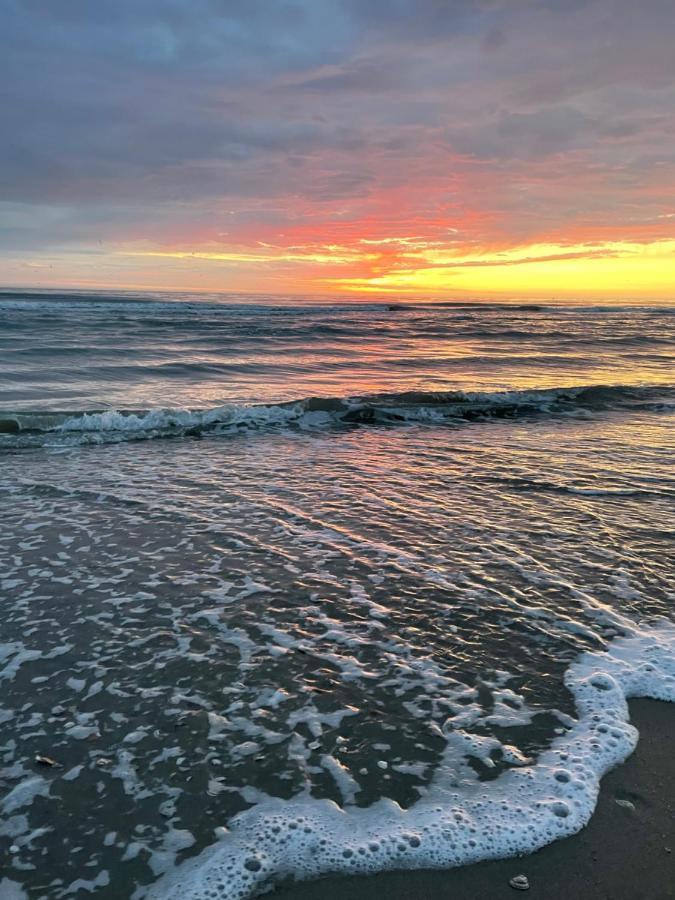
102, 426
31, 428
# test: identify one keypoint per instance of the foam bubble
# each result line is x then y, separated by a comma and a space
521, 811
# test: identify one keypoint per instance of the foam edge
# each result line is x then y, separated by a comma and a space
521, 811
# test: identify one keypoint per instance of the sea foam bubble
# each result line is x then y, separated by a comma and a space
521, 811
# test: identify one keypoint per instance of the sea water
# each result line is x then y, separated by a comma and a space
289, 589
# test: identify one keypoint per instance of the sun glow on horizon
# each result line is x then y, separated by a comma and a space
540, 270
410, 265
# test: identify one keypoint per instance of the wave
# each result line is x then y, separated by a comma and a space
184, 303
102, 426
532, 485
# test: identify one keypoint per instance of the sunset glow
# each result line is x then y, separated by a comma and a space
487, 150
618, 269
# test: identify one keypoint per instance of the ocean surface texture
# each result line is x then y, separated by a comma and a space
294, 589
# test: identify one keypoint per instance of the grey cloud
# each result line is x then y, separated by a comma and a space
135, 110
416, 20
526, 135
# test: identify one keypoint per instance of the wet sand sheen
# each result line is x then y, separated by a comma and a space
623, 854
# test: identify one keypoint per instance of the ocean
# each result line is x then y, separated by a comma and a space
290, 588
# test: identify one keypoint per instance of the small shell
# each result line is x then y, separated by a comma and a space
520, 883
46, 761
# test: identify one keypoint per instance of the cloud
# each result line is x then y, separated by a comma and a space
488, 122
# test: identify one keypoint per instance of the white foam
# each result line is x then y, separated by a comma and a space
82, 884
12, 890
347, 785
158, 420
24, 793
524, 809
20, 656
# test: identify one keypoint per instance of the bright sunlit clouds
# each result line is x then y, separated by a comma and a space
475, 149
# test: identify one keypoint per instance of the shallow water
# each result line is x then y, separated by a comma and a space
78, 352
372, 598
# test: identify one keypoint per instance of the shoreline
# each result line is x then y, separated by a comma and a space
626, 852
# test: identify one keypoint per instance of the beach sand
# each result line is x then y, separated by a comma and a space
627, 852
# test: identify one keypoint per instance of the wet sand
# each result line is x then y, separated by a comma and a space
627, 852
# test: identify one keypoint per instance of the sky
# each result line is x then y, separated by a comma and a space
478, 149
